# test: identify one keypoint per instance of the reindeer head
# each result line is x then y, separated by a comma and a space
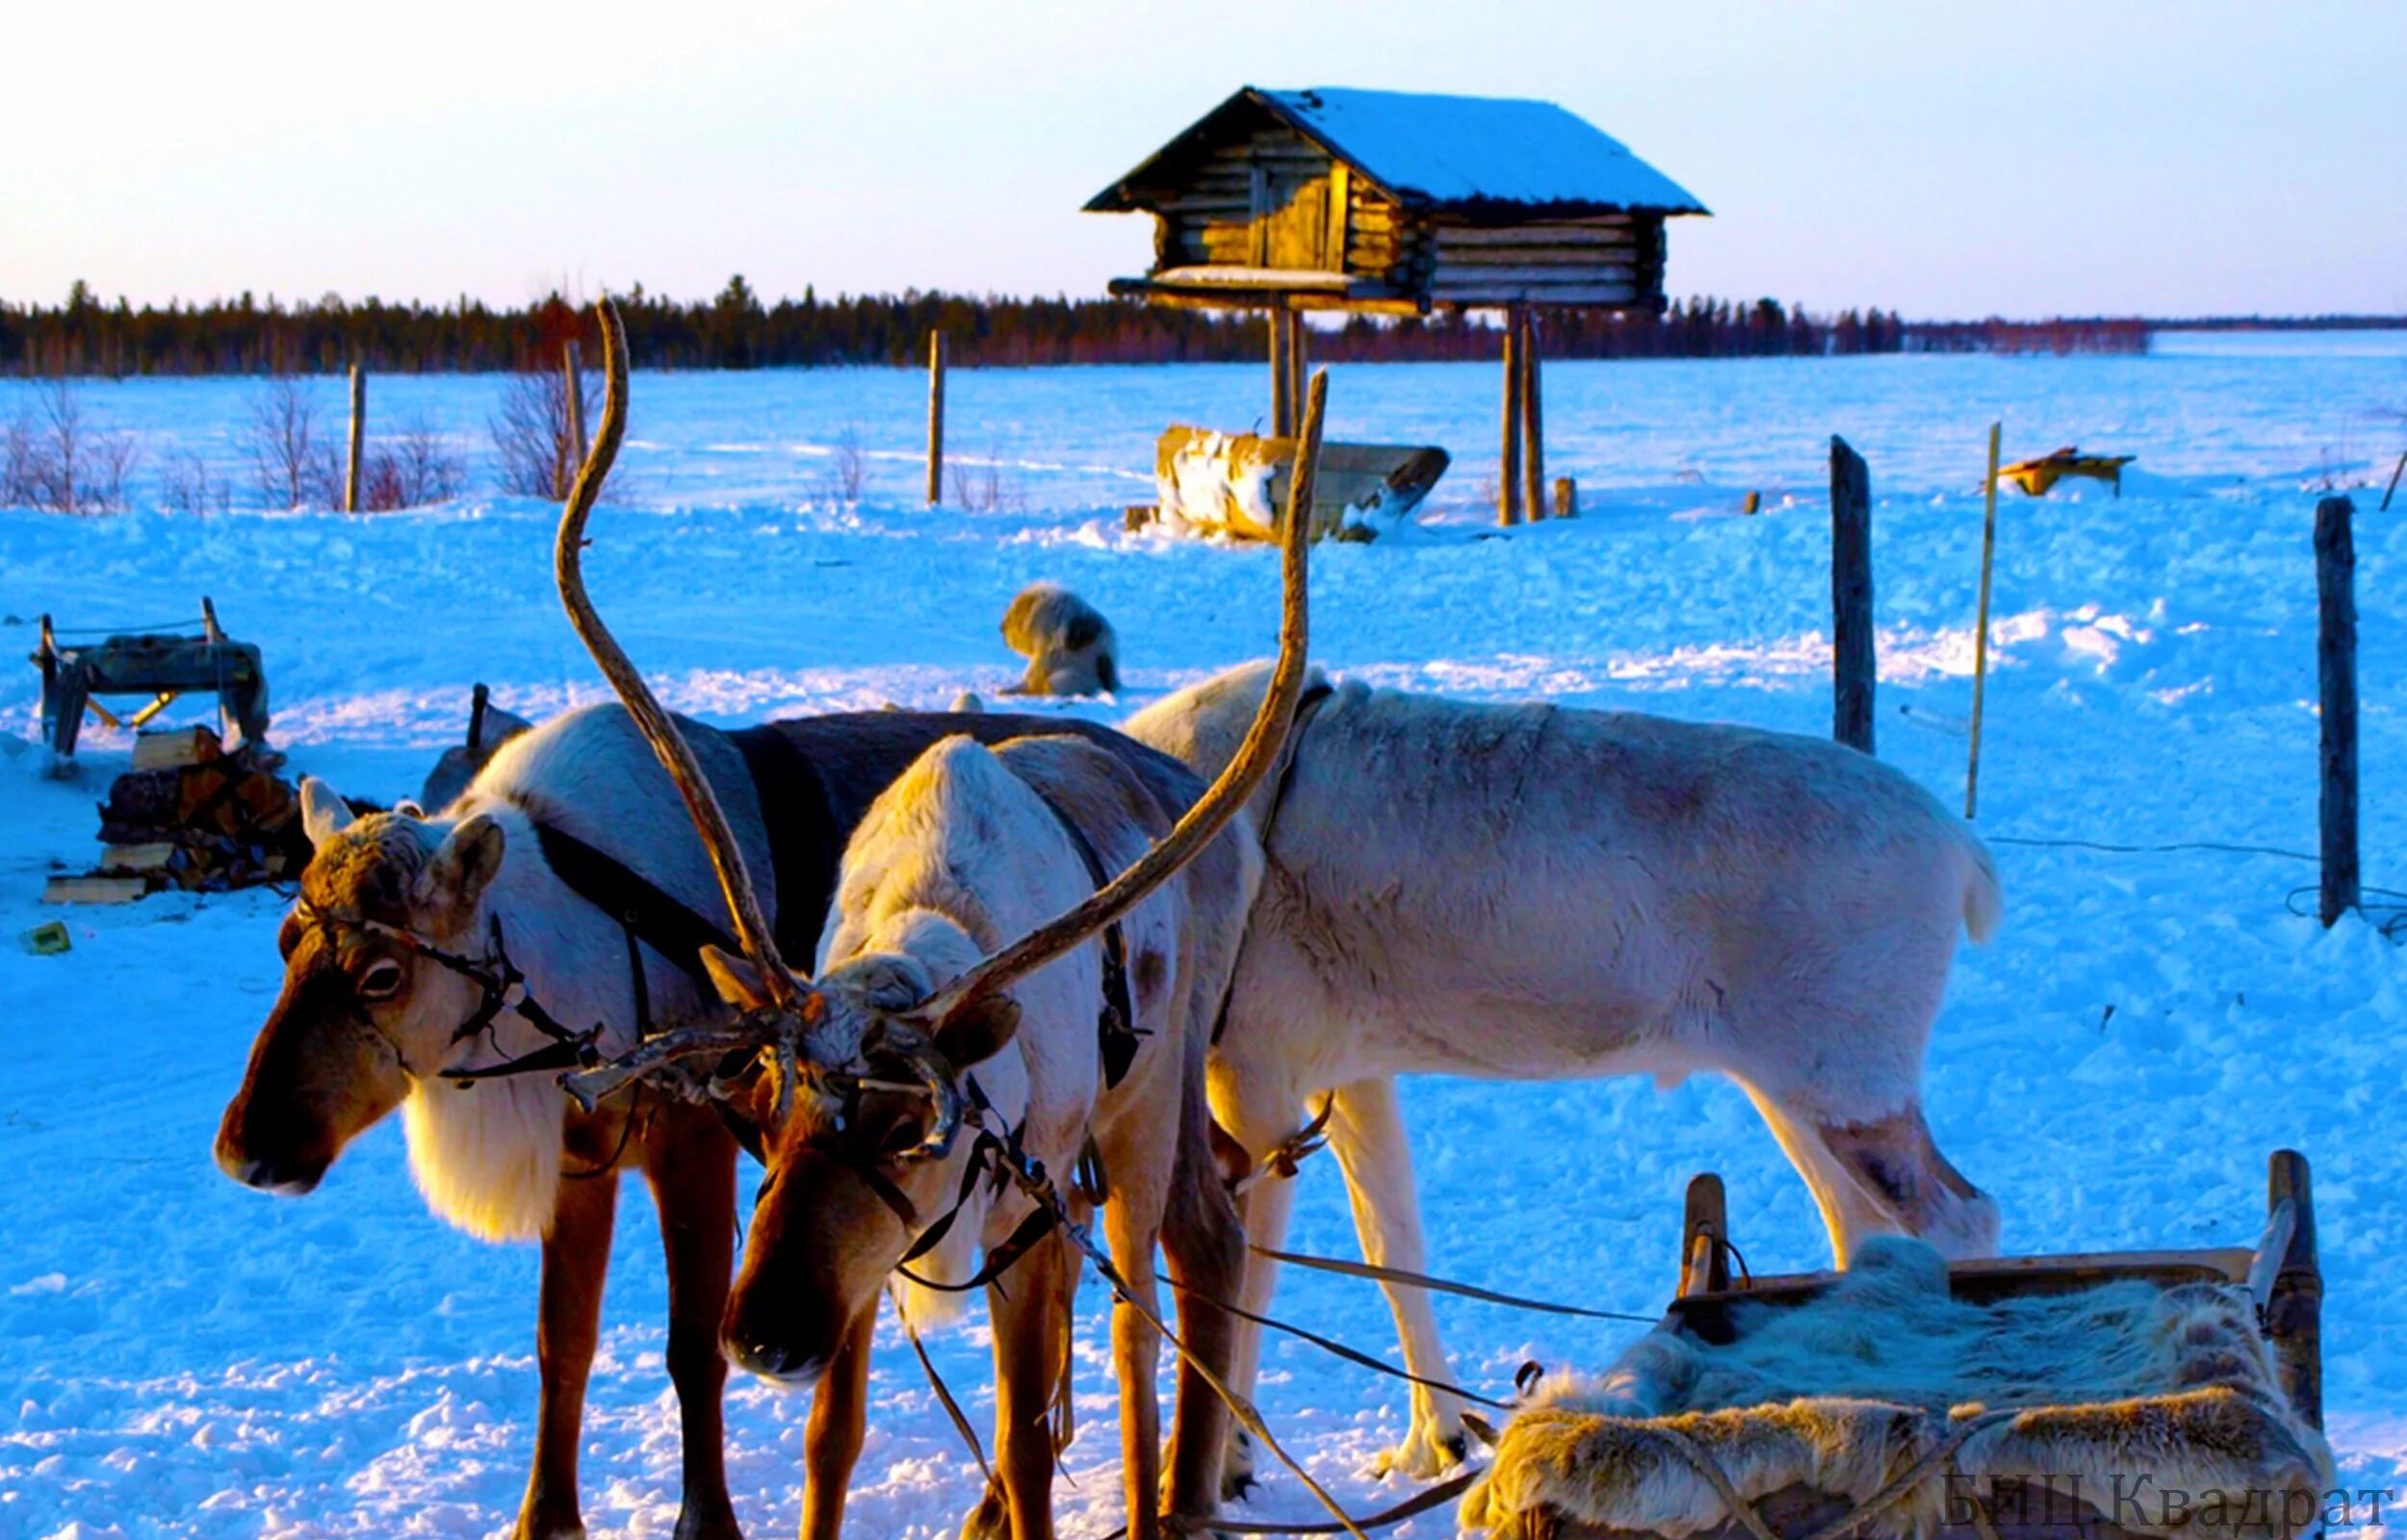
362, 1012
858, 1081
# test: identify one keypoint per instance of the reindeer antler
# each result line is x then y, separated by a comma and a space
1219, 804
675, 754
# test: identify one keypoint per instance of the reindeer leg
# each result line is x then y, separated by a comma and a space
830, 1440
575, 1258
1132, 1233
1366, 1133
690, 1159
1257, 1119
1031, 1318
1205, 1247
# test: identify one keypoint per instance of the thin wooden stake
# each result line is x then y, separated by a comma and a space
2394, 486
359, 427
1296, 371
572, 362
1566, 497
1980, 636
1509, 468
1533, 424
1852, 662
2336, 668
936, 417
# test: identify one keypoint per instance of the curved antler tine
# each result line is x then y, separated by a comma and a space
675, 754
929, 1068
1213, 811
591, 1085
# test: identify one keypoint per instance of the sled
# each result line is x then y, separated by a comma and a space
160, 664
2216, 1352
1236, 483
2035, 476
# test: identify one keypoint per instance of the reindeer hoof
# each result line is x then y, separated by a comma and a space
990, 1519
1424, 1455
1236, 1467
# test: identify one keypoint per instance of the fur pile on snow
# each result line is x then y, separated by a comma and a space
1842, 1394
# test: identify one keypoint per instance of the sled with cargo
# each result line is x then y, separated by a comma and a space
2116, 1396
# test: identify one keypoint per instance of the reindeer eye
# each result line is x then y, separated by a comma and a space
381, 980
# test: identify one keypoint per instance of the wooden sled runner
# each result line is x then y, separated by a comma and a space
2119, 1396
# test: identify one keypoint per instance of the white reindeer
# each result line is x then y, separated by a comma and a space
1532, 893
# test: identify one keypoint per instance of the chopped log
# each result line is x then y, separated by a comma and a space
1484, 294
2336, 668
127, 860
173, 748
1853, 663
94, 890
1566, 497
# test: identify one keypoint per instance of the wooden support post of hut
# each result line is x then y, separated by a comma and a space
1381, 203
1508, 458
2336, 660
1533, 422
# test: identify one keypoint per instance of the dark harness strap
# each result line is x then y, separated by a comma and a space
663, 923
1116, 1023
804, 846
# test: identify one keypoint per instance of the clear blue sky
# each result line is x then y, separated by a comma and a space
1942, 157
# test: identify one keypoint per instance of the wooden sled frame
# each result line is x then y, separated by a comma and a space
160, 664
2281, 1271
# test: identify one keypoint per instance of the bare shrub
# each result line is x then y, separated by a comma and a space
186, 486
51, 458
983, 488
532, 433
847, 470
291, 460
411, 469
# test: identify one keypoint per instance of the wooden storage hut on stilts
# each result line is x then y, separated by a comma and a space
1373, 202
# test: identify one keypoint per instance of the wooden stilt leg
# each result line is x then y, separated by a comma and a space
1533, 424
1509, 468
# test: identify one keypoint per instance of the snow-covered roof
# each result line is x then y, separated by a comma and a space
1445, 150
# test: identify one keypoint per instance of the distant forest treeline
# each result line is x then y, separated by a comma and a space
737, 330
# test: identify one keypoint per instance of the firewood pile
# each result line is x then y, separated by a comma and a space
190, 816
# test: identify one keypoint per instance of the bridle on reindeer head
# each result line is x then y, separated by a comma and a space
911, 1039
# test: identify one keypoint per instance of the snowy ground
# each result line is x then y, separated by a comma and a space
182, 1357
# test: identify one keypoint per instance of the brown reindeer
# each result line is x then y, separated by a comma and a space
377, 1009
924, 1025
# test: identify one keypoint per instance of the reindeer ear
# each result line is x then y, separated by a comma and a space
979, 1031
323, 814
739, 981
470, 855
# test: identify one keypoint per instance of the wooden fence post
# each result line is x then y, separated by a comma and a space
936, 417
1509, 468
1297, 370
1282, 378
1566, 497
360, 427
1533, 424
1981, 634
573, 366
1853, 666
2336, 668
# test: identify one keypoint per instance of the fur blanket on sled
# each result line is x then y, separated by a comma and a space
1846, 1393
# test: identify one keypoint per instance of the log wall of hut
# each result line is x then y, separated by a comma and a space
1275, 200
